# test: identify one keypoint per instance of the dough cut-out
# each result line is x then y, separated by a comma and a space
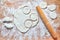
43, 4
24, 22
28, 23
51, 7
21, 27
7, 19
9, 25
33, 16
53, 15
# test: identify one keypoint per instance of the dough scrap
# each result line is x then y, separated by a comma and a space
53, 15
7, 19
9, 25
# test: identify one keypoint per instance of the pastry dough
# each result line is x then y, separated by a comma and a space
53, 15
51, 7
7, 19
21, 27
43, 4
9, 25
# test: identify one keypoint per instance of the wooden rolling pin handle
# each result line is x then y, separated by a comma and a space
46, 22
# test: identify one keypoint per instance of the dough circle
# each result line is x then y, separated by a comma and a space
7, 19
26, 10
9, 25
43, 4
53, 15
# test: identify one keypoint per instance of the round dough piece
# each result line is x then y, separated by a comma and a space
33, 16
7, 19
28, 23
26, 10
53, 15
21, 28
51, 7
9, 25
43, 4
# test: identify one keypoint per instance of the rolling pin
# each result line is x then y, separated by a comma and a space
46, 22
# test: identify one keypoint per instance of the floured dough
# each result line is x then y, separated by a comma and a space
19, 21
26, 10
51, 7
53, 15
9, 25
7, 19
28, 23
33, 16
43, 4
21, 28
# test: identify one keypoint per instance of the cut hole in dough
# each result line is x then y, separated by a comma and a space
53, 15
28, 23
35, 23
33, 16
21, 28
9, 25
26, 10
43, 4
51, 7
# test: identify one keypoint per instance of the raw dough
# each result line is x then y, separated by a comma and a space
33, 16
51, 7
28, 23
26, 10
21, 28
19, 21
43, 4
53, 15
7, 19
9, 25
